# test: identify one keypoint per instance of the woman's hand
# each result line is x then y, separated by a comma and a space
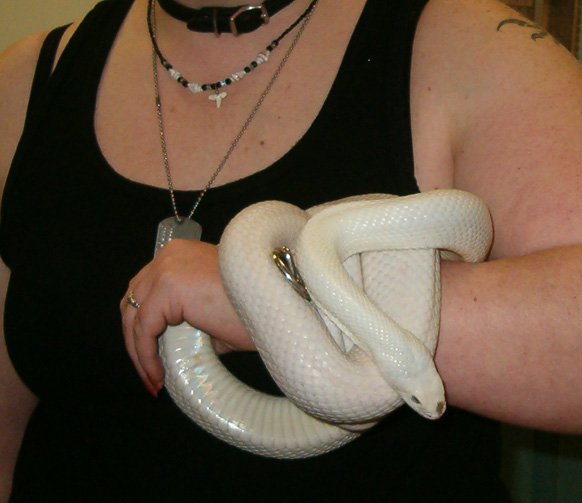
182, 283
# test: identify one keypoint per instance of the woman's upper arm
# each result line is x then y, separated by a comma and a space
17, 65
17, 402
497, 111
502, 102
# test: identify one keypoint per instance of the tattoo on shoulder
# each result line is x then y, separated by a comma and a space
539, 32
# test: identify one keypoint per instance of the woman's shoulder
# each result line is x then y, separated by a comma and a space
17, 65
17, 69
492, 93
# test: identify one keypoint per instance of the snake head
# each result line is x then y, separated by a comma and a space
426, 396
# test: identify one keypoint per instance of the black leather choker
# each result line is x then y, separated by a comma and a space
217, 20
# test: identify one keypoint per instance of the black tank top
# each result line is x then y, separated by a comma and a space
73, 233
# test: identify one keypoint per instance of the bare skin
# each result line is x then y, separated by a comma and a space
494, 112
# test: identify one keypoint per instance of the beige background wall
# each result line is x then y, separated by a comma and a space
19, 18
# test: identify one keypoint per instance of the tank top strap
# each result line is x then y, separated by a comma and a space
44, 68
101, 23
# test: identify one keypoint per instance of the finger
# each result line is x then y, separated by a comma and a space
129, 319
145, 316
138, 282
146, 347
150, 386
132, 352
145, 340
221, 347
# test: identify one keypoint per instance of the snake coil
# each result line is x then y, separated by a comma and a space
361, 347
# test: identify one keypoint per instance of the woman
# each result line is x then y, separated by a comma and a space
482, 106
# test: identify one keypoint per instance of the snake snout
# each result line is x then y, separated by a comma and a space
439, 410
441, 407
426, 408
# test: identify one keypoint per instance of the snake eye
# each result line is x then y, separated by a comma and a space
415, 400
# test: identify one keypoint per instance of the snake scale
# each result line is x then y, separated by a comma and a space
359, 346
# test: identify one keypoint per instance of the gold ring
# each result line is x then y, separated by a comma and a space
131, 301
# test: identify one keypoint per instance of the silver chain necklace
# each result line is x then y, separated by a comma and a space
185, 227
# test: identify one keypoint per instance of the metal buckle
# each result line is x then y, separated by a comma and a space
246, 8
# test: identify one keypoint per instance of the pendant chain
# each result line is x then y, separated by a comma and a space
238, 136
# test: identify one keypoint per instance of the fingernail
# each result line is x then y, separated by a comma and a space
151, 388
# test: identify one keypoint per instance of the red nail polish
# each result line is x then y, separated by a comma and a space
151, 389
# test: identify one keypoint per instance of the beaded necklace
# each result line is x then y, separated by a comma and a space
218, 95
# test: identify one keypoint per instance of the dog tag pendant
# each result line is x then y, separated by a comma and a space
172, 228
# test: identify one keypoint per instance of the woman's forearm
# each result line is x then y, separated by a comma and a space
511, 338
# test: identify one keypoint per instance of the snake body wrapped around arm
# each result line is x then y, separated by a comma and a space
364, 343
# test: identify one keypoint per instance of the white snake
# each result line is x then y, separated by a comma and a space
362, 346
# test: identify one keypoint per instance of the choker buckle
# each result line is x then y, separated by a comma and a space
264, 15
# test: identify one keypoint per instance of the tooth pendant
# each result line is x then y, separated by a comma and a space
218, 97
